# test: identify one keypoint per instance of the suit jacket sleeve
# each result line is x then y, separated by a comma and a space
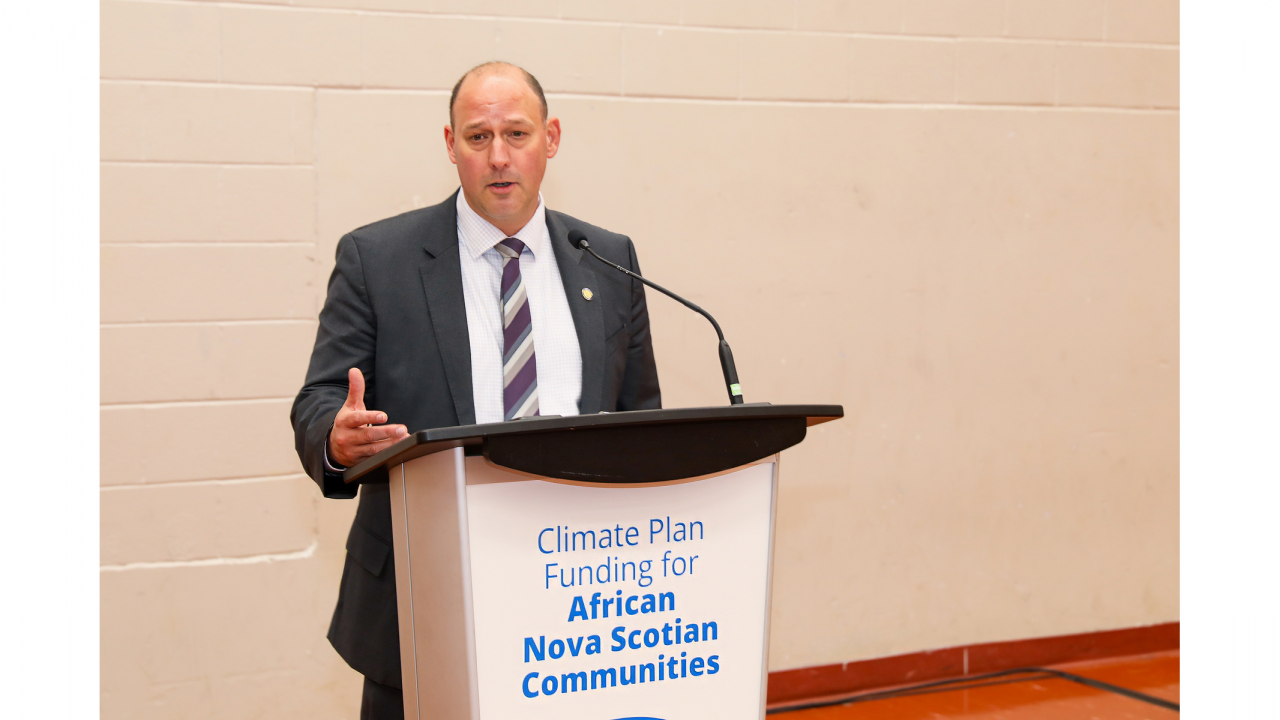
639, 389
346, 338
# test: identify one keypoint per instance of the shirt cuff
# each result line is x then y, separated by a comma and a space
328, 465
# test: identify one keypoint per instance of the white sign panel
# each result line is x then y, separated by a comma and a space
605, 603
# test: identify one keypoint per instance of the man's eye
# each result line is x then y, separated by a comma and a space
477, 137
518, 133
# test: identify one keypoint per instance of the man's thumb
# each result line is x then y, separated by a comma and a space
355, 389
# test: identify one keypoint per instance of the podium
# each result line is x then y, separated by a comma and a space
605, 567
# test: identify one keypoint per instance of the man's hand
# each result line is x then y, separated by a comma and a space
354, 437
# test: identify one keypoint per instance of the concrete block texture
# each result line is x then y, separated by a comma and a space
777, 66
197, 441
1118, 76
739, 13
206, 123
665, 12
680, 63
1146, 21
204, 361
199, 521
147, 202
971, 18
565, 57
1065, 19
902, 70
1007, 73
408, 51
379, 155
290, 47
505, 8
175, 283
159, 40
223, 641
851, 16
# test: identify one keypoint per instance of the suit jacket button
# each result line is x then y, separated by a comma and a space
586, 293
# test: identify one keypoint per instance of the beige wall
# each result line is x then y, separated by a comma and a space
958, 218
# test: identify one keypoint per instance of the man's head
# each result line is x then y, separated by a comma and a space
500, 138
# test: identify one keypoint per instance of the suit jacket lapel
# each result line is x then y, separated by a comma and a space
442, 281
588, 317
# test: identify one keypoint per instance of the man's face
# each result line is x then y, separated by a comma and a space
501, 145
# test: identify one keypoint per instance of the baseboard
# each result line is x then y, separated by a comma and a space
787, 687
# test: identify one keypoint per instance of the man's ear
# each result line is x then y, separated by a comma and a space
553, 137
448, 143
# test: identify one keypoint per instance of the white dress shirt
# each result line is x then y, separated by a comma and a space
555, 340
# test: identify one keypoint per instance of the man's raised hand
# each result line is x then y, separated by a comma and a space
358, 433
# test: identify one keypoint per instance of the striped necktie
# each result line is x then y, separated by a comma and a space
519, 366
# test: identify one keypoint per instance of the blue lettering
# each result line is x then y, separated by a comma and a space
525, 685
579, 609
578, 677
544, 532
539, 651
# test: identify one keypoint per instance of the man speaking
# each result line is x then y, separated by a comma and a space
476, 310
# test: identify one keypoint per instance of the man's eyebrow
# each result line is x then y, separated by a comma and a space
513, 120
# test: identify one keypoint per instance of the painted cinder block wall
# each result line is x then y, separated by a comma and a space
957, 218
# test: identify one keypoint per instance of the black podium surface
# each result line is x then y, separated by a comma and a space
626, 447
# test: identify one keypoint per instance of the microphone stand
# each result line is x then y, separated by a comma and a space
726, 355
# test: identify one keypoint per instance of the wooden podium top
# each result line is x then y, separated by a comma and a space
624, 447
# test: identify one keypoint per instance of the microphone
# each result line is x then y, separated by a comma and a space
579, 240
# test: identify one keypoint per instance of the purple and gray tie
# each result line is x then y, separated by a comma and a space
519, 366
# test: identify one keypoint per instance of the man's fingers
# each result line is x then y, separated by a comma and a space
359, 418
377, 434
355, 389
361, 452
351, 445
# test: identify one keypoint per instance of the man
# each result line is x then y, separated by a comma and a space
475, 310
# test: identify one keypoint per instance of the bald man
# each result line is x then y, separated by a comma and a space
476, 310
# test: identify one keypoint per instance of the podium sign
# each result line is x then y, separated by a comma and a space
606, 567
608, 602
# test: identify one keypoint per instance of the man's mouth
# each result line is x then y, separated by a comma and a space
501, 184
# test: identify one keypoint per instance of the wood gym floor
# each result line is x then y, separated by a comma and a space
1143, 687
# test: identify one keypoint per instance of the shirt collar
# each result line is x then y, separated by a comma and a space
478, 235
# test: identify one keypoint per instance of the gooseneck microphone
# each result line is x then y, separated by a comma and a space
579, 240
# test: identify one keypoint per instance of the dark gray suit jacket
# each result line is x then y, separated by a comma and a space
395, 310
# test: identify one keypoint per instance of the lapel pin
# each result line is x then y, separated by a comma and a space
586, 293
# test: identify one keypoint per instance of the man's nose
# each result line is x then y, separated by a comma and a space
499, 153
